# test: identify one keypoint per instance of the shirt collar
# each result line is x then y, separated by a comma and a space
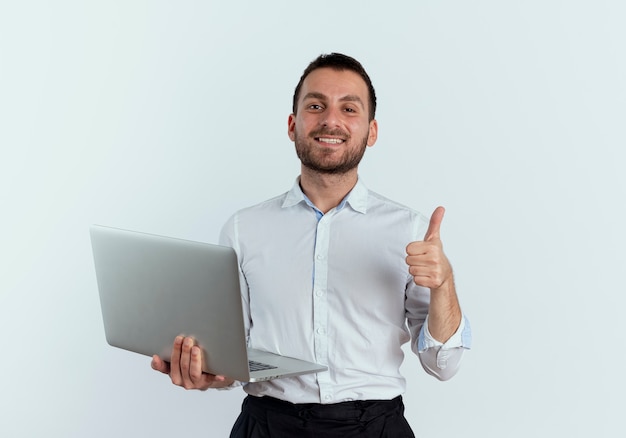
357, 198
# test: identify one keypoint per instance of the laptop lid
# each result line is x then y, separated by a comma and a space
153, 288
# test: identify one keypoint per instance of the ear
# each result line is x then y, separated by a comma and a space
291, 127
373, 133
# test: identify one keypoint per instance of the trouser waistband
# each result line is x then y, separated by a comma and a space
362, 410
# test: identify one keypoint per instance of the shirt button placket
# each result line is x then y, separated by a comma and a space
320, 304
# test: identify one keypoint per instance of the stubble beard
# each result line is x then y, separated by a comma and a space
313, 158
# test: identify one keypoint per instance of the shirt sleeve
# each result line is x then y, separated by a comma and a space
229, 237
442, 360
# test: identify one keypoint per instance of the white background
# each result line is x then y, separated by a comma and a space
167, 116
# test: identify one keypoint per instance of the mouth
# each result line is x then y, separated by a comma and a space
329, 140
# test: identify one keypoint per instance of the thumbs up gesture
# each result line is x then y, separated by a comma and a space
428, 265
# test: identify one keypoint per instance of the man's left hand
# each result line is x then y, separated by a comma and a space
427, 262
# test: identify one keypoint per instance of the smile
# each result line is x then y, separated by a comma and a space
329, 140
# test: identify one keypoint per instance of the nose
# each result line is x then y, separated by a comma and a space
331, 117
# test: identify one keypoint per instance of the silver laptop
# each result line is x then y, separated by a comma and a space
154, 288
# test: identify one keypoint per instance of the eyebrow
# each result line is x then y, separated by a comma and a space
347, 98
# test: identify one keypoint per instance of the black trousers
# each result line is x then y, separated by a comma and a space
267, 417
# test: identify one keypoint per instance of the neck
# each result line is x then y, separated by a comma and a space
326, 191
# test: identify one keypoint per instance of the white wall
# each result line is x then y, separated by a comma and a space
167, 116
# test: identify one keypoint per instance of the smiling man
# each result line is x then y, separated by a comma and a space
335, 274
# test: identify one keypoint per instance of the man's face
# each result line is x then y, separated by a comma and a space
331, 128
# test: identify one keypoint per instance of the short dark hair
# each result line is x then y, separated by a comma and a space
339, 62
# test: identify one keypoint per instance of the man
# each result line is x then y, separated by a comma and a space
336, 274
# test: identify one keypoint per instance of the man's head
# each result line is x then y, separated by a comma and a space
339, 62
332, 121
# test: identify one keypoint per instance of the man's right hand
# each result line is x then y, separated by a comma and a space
185, 367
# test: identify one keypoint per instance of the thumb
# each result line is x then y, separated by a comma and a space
159, 364
435, 224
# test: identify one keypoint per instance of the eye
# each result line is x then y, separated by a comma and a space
315, 107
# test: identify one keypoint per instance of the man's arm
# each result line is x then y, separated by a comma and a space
445, 332
444, 312
430, 268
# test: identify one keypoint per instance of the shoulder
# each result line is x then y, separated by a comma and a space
378, 201
253, 214
269, 205
380, 205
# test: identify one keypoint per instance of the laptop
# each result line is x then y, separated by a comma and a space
154, 288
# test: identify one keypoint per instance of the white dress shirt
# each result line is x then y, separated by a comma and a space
335, 289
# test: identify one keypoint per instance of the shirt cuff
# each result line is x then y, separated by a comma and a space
462, 338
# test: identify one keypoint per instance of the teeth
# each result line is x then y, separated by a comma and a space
331, 140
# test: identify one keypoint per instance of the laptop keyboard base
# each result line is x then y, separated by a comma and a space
258, 366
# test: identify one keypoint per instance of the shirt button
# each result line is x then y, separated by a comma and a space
442, 359
321, 330
320, 257
319, 292
328, 397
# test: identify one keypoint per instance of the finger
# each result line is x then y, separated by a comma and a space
175, 373
420, 260
219, 381
424, 281
195, 368
429, 271
159, 364
421, 264
417, 248
419, 253
200, 379
427, 275
435, 224
185, 362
